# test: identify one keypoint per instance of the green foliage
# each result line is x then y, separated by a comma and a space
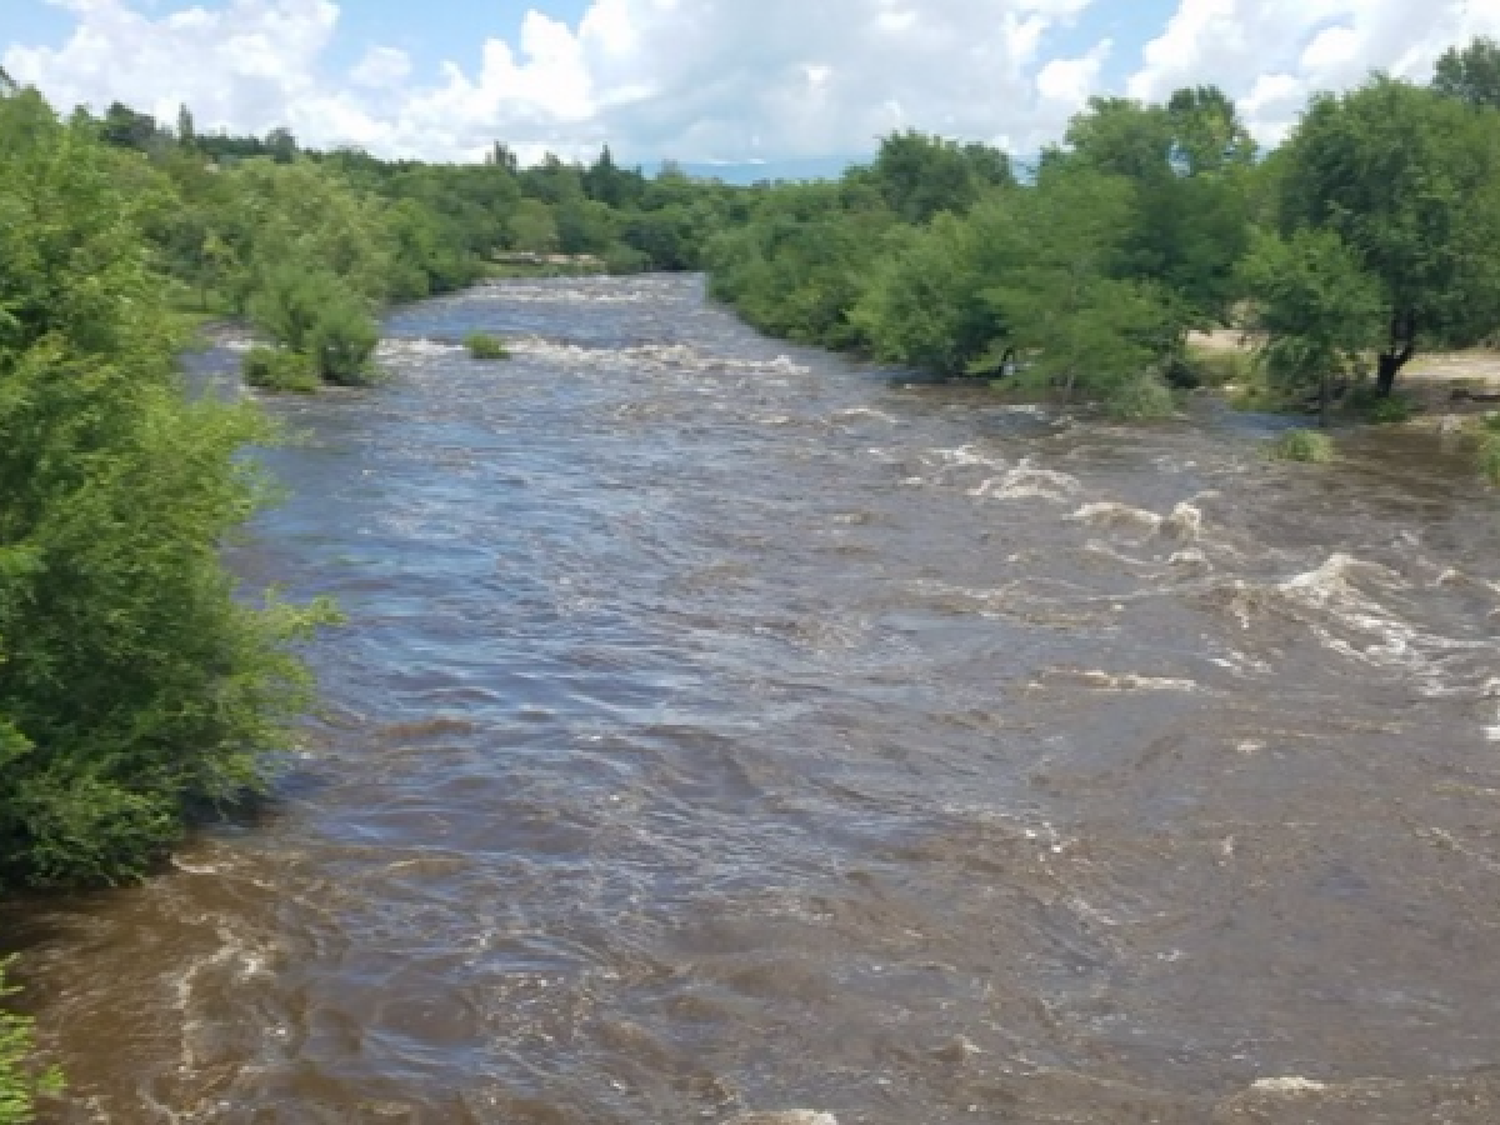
921, 176
343, 342
133, 682
22, 1081
311, 312
276, 369
1409, 180
1489, 450
1203, 367
1391, 410
481, 345
1309, 446
1317, 308
1471, 74
1140, 398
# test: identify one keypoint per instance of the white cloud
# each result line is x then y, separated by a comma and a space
1070, 82
721, 79
1274, 54
695, 79
381, 68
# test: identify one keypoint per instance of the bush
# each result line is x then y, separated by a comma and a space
1308, 446
1389, 411
342, 344
1204, 368
481, 345
1489, 450
275, 369
20, 1079
621, 259
1139, 399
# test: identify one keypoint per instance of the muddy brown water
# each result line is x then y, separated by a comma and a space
721, 727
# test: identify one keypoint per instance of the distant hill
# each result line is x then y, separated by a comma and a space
753, 171
804, 168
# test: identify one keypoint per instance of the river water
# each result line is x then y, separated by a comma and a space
722, 727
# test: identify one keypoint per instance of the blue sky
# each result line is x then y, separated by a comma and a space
696, 80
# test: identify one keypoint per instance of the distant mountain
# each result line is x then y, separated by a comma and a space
753, 171
804, 168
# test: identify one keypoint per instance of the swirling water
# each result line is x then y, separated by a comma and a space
724, 727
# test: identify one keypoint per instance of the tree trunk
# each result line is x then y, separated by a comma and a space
1325, 400
1402, 347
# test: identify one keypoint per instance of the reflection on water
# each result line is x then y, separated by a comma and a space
721, 729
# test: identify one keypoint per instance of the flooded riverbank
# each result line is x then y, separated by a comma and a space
721, 727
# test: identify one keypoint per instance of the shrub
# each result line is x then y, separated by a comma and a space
1204, 368
20, 1079
481, 345
1389, 411
275, 369
1308, 446
620, 259
1141, 398
1489, 449
342, 344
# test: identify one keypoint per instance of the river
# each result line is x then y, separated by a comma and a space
721, 726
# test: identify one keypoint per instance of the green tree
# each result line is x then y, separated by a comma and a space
1471, 74
134, 683
920, 176
1410, 182
187, 132
1086, 329
1317, 308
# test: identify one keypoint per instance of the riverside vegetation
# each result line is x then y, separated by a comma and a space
137, 690
1372, 234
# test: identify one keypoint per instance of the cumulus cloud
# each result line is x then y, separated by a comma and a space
722, 79
1273, 54
694, 79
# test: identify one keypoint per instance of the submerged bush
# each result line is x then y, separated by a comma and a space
1308, 446
275, 369
342, 345
1203, 367
313, 313
1140, 399
1489, 450
1389, 411
481, 345
21, 1081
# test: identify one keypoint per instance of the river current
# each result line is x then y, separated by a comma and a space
721, 728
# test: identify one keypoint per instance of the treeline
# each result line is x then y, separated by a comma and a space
1372, 233
308, 245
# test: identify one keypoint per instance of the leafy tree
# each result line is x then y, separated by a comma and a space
532, 228
281, 145
125, 128
187, 132
1208, 136
920, 176
1317, 308
1471, 74
1086, 329
134, 684
923, 301
1410, 182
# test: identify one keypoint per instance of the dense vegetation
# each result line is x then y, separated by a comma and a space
1372, 233
308, 245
